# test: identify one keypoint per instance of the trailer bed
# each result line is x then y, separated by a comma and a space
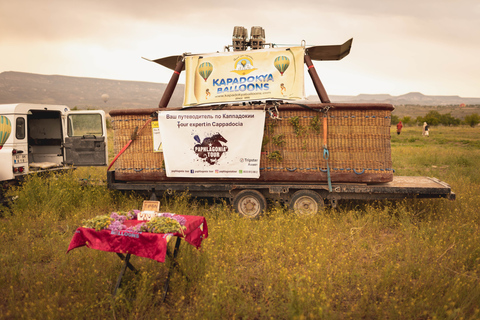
401, 187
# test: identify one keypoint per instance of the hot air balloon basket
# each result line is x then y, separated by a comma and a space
357, 145
139, 157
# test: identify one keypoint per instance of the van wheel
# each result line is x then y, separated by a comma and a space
250, 203
306, 203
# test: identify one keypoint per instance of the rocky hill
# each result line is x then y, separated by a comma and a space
87, 93
412, 98
83, 92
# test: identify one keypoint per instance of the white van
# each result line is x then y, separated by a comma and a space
39, 137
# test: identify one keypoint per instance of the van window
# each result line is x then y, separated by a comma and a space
85, 125
20, 128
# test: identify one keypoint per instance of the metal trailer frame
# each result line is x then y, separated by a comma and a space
402, 187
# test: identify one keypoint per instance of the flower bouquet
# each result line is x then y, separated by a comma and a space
163, 222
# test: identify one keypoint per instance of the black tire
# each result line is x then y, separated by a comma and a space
250, 203
306, 203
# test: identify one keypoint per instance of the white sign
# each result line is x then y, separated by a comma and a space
149, 210
212, 144
157, 139
146, 215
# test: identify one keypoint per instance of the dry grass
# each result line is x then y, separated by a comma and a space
412, 259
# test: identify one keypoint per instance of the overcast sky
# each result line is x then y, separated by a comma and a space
427, 46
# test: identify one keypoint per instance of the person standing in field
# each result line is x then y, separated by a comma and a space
425, 130
399, 127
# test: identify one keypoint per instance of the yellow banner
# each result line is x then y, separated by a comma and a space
244, 76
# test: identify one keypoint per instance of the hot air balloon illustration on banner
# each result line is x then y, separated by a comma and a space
205, 69
5, 129
281, 63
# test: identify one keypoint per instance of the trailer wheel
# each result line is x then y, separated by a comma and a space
306, 202
250, 203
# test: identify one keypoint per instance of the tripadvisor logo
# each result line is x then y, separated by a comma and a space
211, 148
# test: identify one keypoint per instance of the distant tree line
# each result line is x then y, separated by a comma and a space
434, 118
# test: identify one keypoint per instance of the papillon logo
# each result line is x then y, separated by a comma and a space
211, 148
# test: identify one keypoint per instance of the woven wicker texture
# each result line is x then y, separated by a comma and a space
358, 142
139, 157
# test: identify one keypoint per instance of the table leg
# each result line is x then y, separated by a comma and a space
122, 272
129, 265
173, 264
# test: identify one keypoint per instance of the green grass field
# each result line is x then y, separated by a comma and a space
414, 111
411, 259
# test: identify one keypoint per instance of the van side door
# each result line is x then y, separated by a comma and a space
85, 138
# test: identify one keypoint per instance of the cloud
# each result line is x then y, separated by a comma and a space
402, 43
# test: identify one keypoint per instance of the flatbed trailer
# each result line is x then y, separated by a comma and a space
249, 198
326, 174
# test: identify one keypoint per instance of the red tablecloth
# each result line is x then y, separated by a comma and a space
142, 244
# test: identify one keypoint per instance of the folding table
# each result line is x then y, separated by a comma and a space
143, 244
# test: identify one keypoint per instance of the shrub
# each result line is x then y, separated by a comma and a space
395, 119
407, 120
472, 120
434, 118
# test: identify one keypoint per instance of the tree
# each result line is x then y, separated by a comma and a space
432, 118
419, 120
395, 119
448, 120
472, 120
407, 120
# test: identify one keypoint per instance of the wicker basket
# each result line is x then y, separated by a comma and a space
357, 136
